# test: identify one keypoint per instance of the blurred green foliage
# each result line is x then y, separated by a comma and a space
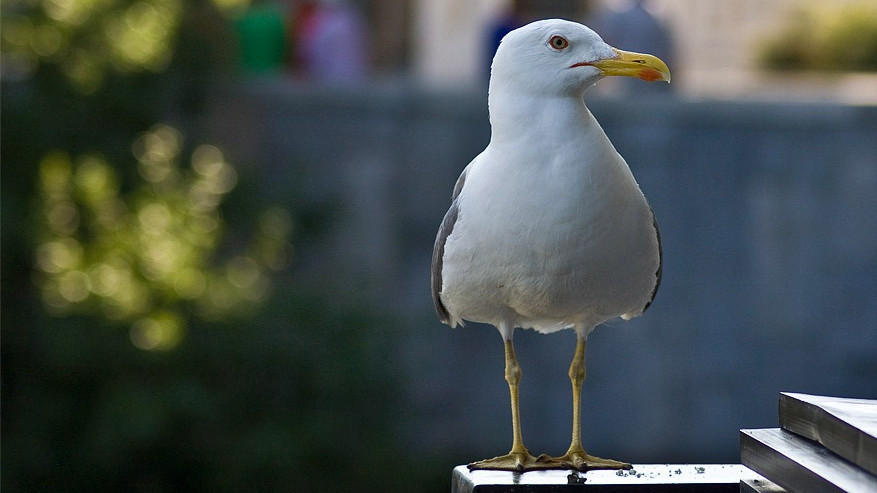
88, 39
147, 259
834, 37
114, 239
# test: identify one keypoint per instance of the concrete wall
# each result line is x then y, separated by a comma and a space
768, 215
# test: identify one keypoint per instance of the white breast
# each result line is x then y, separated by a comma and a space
550, 242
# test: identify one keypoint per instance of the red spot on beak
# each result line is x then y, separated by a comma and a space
650, 75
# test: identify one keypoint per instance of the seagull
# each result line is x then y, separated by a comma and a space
547, 228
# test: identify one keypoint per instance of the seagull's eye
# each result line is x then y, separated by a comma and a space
558, 42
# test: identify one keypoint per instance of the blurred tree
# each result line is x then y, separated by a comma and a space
87, 39
298, 395
828, 37
141, 260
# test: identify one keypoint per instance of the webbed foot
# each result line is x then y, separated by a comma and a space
581, 461
517, 461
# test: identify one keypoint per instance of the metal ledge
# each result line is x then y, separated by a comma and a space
653, 478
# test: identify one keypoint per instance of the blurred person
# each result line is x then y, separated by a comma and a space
330, 41
511, 18
636, 29
262, 38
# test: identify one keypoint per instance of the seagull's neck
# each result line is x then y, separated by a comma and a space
556, 118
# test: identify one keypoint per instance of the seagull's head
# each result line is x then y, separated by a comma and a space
556, 56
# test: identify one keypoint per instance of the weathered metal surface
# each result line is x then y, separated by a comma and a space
798, 464
693, 478
760, 486
847, 427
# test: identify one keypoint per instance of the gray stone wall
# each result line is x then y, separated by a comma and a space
768, 215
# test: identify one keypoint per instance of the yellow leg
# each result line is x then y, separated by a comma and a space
513, 377
519, 458
576, 457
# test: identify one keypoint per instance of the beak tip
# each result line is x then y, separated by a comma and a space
640, 65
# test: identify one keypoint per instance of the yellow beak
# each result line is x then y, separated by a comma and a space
630, 64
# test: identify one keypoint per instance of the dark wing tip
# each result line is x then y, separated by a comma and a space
438, 253
660, 270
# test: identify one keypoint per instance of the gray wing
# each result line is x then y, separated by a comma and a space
660, 270
438, 251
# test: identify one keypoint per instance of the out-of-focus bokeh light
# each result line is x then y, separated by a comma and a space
88, 39
141, 37
160, 330
149, 258
59, 255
